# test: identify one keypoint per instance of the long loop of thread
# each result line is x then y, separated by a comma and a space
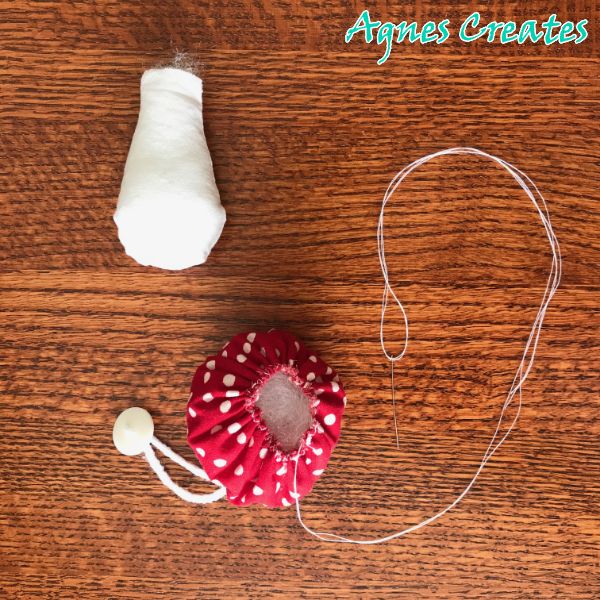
193, 469
526, 363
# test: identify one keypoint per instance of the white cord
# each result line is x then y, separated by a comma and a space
526, 363
195, 470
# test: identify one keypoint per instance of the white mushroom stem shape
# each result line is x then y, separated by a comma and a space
169, 214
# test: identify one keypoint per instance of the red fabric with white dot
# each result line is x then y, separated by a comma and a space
226, 430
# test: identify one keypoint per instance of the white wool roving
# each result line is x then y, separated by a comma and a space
169, 214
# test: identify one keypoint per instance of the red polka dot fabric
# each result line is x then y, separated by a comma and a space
228, 434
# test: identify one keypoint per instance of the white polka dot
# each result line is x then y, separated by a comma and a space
201, 452
243, 499
220, 462
277, 487
225, 406
318, 451
312, 358
329, 419
234, 428
192, 412
251, 442
232, 394
291, 362
282, 471
229, 379
310, 376
250, 337
257, 491
216, 428
239, 470
294, 495
329, 371
207, 397
262, 453
345, 400
320, 428
224, 354
335, 386
318, 392
210, 364
206, 376
285, 502
297, 346
247, 347
308, 461
241, 438
241, 358
318, 472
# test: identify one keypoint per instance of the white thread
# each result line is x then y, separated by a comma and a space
193, 469
526, 363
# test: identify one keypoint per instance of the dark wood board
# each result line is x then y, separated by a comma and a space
305, 133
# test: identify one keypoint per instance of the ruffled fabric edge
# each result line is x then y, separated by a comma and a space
226, 429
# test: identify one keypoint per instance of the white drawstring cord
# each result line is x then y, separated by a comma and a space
193, 469
530, 347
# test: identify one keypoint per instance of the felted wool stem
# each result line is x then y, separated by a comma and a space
169, 213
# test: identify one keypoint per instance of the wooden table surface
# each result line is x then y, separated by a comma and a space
305, 133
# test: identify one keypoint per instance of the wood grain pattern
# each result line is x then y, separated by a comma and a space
305, 133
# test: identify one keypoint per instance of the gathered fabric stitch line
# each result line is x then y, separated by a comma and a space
256, 414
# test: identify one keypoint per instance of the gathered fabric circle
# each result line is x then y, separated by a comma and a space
263, 404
